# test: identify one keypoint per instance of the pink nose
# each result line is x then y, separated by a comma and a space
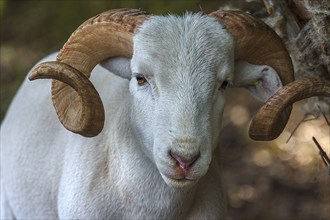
185, 162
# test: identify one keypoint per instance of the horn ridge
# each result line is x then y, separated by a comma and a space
271, 119
117, 24
88, 107
256, 42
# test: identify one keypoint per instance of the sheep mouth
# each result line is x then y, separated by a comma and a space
179, 181
180, 177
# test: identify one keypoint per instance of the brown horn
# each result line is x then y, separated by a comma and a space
88, 111
268, 123
106, 35
258, 44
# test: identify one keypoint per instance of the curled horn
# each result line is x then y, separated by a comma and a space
268, 122
258, 44
77, 103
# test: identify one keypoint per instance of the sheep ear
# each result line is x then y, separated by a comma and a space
121, 66
262, 81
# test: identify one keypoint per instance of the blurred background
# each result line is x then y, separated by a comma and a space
265, 180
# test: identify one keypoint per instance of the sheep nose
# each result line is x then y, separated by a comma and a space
185, 162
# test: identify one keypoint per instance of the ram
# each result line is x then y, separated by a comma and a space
144, 141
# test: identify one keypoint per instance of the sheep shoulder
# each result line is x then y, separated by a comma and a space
35, 145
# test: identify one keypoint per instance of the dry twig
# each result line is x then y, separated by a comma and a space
322, 153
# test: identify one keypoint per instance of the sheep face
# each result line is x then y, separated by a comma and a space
180, 68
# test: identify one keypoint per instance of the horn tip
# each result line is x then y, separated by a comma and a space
35, 73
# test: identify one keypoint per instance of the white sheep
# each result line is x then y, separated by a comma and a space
153, 149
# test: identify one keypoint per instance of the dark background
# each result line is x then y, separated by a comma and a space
265, 180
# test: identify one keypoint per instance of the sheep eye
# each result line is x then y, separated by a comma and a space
141, 80
224, 85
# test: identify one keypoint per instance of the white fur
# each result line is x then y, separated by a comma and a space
126, 171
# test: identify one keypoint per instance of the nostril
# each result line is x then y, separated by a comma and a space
185, 162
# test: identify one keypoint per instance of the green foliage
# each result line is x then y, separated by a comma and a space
2, 7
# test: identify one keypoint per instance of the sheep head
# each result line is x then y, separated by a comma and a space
180, 69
